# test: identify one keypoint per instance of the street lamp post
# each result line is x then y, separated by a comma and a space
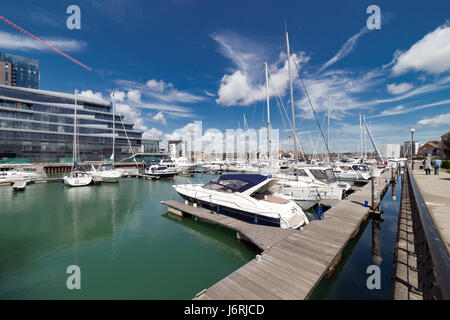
412, 141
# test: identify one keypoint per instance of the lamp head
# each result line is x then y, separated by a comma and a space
412, 130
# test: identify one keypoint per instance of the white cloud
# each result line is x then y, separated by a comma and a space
346, 49
119, 96
161, 92
92, 95
10, 41
134, 96
431, 54
158, 85
402, 109
443, 119
399, 88
159, 117
152, 133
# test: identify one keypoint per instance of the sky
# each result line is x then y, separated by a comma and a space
173, 62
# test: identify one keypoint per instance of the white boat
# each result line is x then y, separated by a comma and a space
157, 171
106, 172
19, 185
78, 179
343, 172
247, 197
214, 166
28, 173
180, 164
310, 185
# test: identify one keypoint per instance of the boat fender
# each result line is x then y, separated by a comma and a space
319, 212
258, 258
256, 220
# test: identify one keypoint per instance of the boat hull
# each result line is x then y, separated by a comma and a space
235, 213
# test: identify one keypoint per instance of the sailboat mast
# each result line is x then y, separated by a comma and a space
360, 138
292, 97
74, 150
114, 127
328, 126
269, 142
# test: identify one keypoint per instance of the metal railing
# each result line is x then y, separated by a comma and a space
433, 258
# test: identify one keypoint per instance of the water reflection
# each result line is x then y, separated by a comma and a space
376, 239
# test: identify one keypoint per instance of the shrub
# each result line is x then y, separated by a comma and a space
446, 164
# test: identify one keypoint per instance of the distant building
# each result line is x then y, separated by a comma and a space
429, 149
177, 148
390, 151
19, 71
444, 146
406, 152
38, 126
150, 147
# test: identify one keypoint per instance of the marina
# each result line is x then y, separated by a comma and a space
225, 156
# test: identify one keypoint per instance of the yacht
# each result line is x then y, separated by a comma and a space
157, 171
78, 179
27, 173
179, 164
247, 197
106, 172
310, 185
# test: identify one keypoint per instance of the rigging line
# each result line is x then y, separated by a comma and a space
299, 144
129, 144
44, 43
312, 107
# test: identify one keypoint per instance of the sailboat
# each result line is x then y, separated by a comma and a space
308, 185
106, 172
77, 177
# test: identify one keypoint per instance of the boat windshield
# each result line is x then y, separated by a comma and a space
105, 167
324, 175
226, 185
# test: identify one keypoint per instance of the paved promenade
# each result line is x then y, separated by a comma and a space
435, 190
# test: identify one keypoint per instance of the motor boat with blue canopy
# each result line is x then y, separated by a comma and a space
247, 197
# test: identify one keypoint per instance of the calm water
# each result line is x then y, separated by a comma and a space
349, 282
121, 237
128, 247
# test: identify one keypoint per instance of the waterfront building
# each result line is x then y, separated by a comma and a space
390, 150
38, 126
19, 71
406, 152
444, 146
177, 148
429, 149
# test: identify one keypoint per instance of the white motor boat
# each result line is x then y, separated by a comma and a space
247, 197
28, 173
78, 179
345, 173
157, 171
106, 172
362, 170
179, 164
309, 185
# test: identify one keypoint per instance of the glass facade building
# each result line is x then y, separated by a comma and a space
39, 125
19, 71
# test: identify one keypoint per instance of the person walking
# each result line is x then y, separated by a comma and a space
427, 166
437, 166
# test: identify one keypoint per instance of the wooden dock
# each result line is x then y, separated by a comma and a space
293, 261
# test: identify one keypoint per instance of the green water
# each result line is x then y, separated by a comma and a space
120, 236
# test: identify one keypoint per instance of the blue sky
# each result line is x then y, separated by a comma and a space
172, 62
